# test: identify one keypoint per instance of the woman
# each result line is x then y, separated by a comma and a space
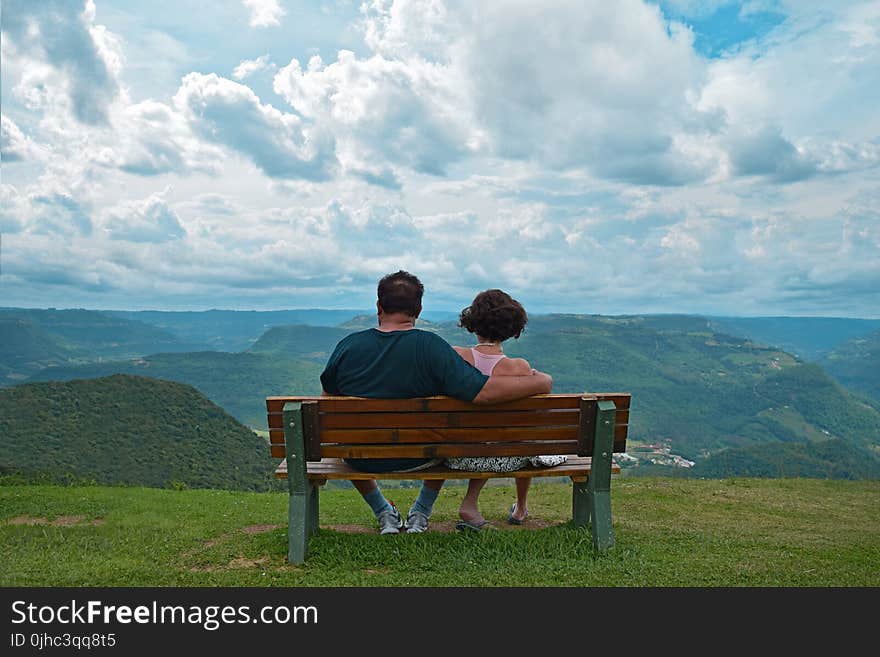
494, 317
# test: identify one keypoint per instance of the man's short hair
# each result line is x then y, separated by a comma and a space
401, 292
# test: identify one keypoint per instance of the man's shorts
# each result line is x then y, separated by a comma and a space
392, 465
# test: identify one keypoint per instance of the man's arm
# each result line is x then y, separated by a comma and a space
508, 388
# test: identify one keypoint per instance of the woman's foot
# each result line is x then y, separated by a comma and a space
517, 515
471, 515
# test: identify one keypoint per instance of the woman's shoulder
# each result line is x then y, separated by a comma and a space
514, 366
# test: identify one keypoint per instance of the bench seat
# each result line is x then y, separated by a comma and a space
576, 467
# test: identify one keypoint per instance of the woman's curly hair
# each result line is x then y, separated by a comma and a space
494, 315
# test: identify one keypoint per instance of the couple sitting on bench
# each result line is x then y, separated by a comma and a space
398, 361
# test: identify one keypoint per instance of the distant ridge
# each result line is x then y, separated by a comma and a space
32, 339
26, 348
810, 338
856, 364
232, 330
312, 342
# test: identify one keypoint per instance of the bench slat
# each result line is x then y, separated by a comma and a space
448, 420
338, 469
442, 434
448, 450
517, 417
448, 404
440, 418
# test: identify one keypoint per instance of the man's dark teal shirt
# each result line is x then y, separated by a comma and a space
399, 365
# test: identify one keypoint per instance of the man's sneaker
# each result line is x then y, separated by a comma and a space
416, 522
390, 521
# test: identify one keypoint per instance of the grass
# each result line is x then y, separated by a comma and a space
669, 532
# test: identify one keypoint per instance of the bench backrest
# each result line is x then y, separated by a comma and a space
353, 427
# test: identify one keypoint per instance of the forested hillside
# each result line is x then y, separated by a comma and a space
697, 393
698, 389
827, 459
128, 430
856, 364
239, 382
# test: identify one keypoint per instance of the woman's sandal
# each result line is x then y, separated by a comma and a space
467, 526
513, 521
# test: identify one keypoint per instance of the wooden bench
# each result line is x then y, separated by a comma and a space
314, 434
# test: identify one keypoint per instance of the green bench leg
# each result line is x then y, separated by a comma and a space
591, 501
594, 509
298, 528
600, 515
302, 518
580, 504
302, 523
313, 509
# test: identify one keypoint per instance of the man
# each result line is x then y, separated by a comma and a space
399, 361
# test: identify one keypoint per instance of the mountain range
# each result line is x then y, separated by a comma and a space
705, 402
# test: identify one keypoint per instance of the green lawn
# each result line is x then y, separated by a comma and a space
670, 532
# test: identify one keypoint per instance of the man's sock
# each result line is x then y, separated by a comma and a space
425, 501
377, 501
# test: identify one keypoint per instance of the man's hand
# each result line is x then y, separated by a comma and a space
508, 388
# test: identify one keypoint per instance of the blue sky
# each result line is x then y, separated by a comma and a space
630, 157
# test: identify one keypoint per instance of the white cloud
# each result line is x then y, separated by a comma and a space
144, 220
802, 101
248, 67
670, 256
606, 87
613, 89
768, 153
154, 138
381, 111
225, 112
13, 209
68, 50
15, 146
610, 88
58, 213
680, 240
264, 13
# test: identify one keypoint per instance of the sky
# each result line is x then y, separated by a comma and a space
626, 157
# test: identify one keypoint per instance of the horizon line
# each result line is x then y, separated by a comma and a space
362, 311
